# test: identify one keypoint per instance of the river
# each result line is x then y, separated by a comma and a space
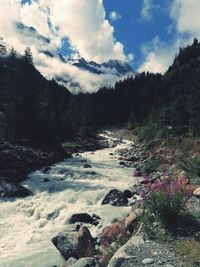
27, 225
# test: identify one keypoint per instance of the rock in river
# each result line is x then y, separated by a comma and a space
10, 190
75, 241
86, 166
128, 193
115, 198
83, 217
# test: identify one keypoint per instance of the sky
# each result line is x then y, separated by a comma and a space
145, 33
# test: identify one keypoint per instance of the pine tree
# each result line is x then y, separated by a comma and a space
28, 56
3, 50
13, 53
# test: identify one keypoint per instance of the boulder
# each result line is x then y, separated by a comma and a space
62, 171
115, 198
128, 193
46, 170
46, 180
11, 190
87, 262
122, 256
130, 222
84, 218
86, 166
196, 192
75, 241
83, 160
112, 233
91, 173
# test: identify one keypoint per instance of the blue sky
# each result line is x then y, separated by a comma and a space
133, 30
145, 33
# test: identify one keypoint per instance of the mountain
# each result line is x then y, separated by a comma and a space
114, 67
80, 75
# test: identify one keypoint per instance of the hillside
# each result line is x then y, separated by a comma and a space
153, 104
31, 107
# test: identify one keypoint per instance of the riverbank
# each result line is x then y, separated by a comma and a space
18, 160
164, 167
141, 238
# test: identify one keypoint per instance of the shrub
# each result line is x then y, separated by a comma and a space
166, 200
151, 165
192, 168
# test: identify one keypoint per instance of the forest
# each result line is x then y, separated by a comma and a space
35, 109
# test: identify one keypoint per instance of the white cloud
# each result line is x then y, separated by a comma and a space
159, 56
185, 13
33, 15
146, 9
89, 33
130, 57
114, 16
83, 23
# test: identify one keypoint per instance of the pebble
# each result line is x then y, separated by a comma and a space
148, 261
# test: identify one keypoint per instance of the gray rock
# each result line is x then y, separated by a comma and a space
83, 217
46, 169
91, 173
86, 166
75, 241
83, 160
128, 193
148, 261
62, 171
11, 190
45, 180
87, 262
115, 198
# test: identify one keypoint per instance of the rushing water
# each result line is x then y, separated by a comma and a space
27, 225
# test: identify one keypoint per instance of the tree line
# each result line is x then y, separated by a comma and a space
33, 108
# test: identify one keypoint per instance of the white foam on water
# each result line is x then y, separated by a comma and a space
27, 225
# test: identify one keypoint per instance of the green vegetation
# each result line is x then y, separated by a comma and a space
152, 165
192, 168
166, 201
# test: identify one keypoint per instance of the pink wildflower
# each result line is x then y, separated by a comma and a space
136, 173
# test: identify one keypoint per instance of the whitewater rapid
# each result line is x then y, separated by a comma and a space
27, 225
